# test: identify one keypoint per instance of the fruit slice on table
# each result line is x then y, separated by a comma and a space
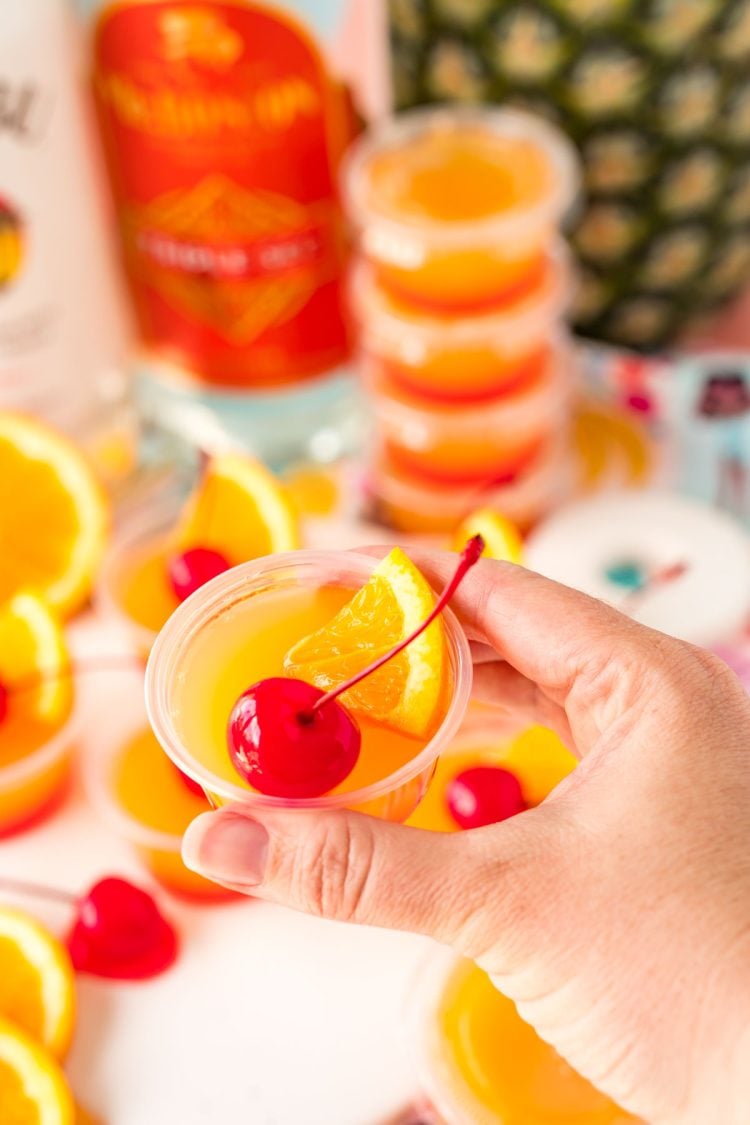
33, 1089
32, 648
501, 537
53, 515
405, 693
37, 985
239, 510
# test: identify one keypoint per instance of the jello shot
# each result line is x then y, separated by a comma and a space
146, 801
239, 684
484, 777
465, 358
39, 726
479, 1062
456, 443
414, 503
134, 589
165, 549
456, 207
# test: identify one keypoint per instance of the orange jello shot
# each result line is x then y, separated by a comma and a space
38, 726
479, 1062
414, 503
455, 444
313, 620
457, 207
146, 801
466, 358
163, 551
536, 758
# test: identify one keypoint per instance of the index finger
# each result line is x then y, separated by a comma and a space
548, 632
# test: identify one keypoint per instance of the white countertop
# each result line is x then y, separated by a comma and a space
268, 1018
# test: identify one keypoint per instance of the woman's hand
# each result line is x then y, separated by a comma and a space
617, 913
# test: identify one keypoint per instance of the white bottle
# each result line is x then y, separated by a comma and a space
63, 330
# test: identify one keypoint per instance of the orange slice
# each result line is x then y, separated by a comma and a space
34, 659
37, 985
33, 1089
407, 692
239, 509
501, 537
53, 515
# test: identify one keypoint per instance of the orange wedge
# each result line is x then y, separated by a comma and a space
37, 985
33, 1089
53, 515
501, 537
407, 692
33, 660
239, 509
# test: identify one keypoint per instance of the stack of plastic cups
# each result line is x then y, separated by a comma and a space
460, 293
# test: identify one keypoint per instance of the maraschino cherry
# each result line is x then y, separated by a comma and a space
195, 787
191, 569
287, 738
118, 931
484, 795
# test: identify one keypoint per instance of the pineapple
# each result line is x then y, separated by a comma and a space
656, 94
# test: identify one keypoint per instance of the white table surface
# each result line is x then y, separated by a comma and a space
268, 1018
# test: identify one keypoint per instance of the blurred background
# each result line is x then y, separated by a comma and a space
428, 267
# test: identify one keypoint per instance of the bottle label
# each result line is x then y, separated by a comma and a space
223, 132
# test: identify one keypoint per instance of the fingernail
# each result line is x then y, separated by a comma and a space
227, 848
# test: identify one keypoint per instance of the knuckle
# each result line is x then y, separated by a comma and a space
336, 868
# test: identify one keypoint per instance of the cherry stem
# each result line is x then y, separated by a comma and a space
470, 555
37, 890
116, 663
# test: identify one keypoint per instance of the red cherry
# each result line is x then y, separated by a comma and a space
484, 795
190, 570
119, 933
194, 787
289, 739
4, 701
284, 748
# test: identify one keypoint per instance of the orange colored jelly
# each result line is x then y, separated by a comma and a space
154, 806
456, 208
34, 768
488, 1066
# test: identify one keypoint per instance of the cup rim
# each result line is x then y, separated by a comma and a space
513, 123
539, 402
46, 755
420, 1004
509, 326
207, 602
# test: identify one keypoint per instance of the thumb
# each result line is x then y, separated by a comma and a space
354, 868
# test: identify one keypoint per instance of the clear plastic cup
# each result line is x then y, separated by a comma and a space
454, 443
467, 357
446, 261
509, 1065
414, 504
393, 797
133, 592
159, 851
32, 787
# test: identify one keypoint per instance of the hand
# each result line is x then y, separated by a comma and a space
617, 913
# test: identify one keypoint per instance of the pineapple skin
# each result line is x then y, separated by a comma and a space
656, 96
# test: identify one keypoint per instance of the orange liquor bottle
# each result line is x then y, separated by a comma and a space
223, 132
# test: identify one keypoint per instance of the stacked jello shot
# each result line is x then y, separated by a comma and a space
460, 292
